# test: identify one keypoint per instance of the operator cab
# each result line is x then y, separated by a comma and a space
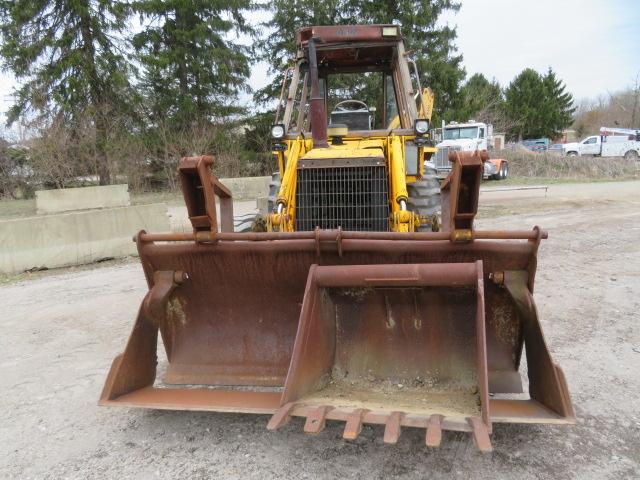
358, 77
355, 114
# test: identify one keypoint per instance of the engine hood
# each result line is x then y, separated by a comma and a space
370, 148
570, 146
465, 145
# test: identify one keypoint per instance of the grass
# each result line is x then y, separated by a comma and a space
546, 166
170, 198
17, 208
27, 208
520, 180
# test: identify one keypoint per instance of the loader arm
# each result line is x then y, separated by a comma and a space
424, 111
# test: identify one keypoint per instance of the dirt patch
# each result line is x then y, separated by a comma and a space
389, 397
48, 272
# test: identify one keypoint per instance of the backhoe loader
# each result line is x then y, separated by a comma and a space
355, 305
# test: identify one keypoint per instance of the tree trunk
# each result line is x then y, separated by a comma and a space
97, 95
104, 175
181, 71
636, 98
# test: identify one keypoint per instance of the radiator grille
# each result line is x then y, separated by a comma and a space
355, 198
442, 158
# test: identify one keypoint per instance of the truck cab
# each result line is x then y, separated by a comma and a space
467, 137
588, 146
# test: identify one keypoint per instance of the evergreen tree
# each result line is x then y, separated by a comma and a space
279, 47
481, 100
436, 56
192, 71
560, 107
538, 105
523, 101
64, 55
432, 44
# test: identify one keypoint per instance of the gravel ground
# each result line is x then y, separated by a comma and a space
61, 331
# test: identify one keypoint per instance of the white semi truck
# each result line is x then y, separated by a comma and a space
467, 137
612, 142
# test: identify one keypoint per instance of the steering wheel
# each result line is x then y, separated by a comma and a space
355, 105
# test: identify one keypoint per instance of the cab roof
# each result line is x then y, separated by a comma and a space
358, 47
340, 34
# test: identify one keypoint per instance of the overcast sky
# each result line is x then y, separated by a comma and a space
593, 45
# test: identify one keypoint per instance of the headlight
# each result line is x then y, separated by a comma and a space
390, 31
421, 126
277, 131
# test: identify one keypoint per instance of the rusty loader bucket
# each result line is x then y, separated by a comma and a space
422, 330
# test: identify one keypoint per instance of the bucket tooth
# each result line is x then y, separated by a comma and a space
392, 427
480, 434
353, 426
281, 417
317, 420
434, 431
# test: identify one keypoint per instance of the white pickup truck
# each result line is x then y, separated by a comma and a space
604, 146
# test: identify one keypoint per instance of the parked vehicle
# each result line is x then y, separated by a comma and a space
536, 144
467, 137
604, 146
556, 148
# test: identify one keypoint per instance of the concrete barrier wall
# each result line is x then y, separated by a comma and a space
247, 188
75, 238
82, 198
82, 236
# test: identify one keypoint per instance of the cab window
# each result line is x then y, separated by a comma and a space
391, 119
589, 140
457, 133
353, 99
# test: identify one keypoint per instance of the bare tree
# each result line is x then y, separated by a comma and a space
617, 109
636, 102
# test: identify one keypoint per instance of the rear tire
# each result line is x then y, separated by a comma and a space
572, 154
425, 200
631, 155
504, 171
252, 222
274, 189
244, 223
